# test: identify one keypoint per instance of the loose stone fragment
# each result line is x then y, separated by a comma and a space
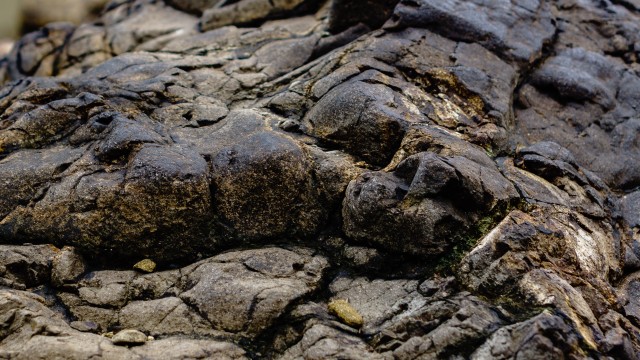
84, 326
146, 265
129, 337
346, 313
67, 266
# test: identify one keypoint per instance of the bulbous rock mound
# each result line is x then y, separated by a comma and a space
460, 176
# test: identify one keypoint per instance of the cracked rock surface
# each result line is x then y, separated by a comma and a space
457, 179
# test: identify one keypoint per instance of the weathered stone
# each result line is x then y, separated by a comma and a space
248, 11
601, 94
377, 301
323, 342
40, 333
543, 337
246, 292
166, 316
67, 266
630, 204
193, 6
631, 288
347, 112
27, 266
105, 288
515, 30
84, 326
177, 348
427, 205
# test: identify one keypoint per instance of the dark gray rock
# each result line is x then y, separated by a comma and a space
23, 267
458, 177
621, 336
587, 98
578, 75
28, 173
378, 301
249, 11
262, 187
631, 208
446, 328
630, 288
361, 111
323, 342
428, 204
543, 337
35, 54
517, 30
552, 176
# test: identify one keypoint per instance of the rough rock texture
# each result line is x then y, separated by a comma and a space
334, 179
32, 331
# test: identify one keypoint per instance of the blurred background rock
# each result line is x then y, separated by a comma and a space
10, 23
21, 16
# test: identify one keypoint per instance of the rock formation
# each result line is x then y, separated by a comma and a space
306, 179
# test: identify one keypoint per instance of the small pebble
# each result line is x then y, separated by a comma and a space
129, 337
346, 313
146, 265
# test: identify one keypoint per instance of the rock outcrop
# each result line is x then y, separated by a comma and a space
305, 179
